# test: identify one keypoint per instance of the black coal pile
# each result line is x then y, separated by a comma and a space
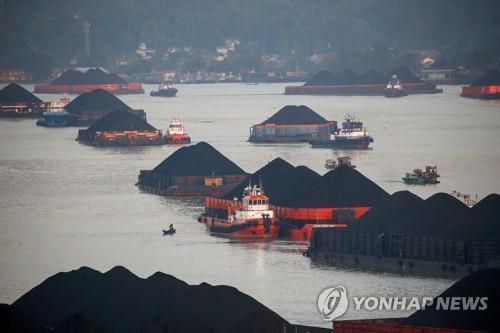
322, 78
326, 78
120, 121
14, 93
119, 301
405, 75
295, 115
91, 76
480, 284
342, 187
200, 159
381, 217
431, 216
491, 78
280, 179
96, 100
372, 77
480, 222
13, 320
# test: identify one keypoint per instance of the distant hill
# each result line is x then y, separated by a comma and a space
43, 32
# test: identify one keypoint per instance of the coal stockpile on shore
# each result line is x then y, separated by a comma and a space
491, 78
280, 179
120, 121
86, 300
14, 93
342, 187
405, 75
480, 284
96, 100
90, 76
200, 159
295, 115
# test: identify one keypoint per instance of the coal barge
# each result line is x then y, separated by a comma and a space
84, 80
17, 102
352, 135
197, 171
486, 87
371, 83
121, 128
292, 123
403, 233
302, 199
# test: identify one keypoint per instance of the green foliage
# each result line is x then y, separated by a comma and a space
358, 31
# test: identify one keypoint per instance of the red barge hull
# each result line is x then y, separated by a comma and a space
481, 92
254, 229
115, 88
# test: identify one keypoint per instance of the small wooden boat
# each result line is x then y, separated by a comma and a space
168, 232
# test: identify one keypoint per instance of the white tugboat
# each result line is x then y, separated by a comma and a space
56, 114
394, 88
341, 160
176, 133
250, 218
352, 135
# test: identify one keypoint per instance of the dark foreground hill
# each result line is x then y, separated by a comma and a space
86, 300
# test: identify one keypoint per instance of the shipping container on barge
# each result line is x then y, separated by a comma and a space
121, 128
302, 199
84, 80
486, 87
371, 83
252, 217
197, 170
292, 123
17, 102
439, 236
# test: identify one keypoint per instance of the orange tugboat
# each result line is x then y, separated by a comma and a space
176, 133
250, 218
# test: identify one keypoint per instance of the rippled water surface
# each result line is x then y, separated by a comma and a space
64, 205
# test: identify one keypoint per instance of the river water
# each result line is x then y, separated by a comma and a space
64, 205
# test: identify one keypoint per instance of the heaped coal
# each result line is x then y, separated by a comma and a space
96, 100
480, 284
266, 176
295, 115
482, 222
91, 76
372, 77
342, 187
405, 75
200, 159
13, 320
281, 181
322, 78
326, 78
431, 216
120, 121
381, 217
119, 301
14, 93
491, 78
